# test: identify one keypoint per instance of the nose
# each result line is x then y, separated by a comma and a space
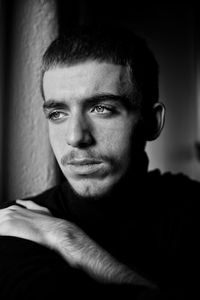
78, 133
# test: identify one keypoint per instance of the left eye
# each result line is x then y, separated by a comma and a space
101, 109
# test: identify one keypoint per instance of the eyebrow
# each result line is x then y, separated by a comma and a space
51, 104
61, 104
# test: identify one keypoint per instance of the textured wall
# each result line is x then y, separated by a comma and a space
31, 164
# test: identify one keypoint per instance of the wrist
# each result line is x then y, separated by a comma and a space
66, 241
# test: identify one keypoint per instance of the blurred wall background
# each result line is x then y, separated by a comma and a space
27, 27
28, 165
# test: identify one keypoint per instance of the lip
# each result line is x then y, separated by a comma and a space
84, 162
84, 167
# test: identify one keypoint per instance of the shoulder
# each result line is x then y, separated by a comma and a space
173, 182
55, 199
177, 200
176, 195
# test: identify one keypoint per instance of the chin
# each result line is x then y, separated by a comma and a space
91, 189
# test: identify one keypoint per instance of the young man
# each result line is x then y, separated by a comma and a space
112, 228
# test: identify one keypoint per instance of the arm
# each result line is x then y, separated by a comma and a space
82, 252
35, 223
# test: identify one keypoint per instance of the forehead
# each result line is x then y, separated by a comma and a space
85, 79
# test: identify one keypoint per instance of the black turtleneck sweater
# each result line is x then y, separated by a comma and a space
147, 222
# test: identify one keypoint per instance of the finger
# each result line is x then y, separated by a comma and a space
32, 205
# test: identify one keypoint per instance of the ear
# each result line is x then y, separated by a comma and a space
155, 121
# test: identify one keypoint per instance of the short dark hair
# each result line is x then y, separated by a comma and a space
114, 45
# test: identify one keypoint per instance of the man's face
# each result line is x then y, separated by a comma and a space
91, 123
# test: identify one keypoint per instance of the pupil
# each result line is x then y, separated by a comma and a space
99, 108
56, 114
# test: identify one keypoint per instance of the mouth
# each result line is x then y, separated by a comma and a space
83, 162
83, 167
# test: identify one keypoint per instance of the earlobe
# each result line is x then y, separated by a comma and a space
156, 121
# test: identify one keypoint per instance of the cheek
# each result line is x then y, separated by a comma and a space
57, 141
117, 140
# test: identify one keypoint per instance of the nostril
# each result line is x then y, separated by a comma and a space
80, 141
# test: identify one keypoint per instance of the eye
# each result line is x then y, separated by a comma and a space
102, 109
56, 115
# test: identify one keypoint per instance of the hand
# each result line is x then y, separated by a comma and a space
30, 221
33, 222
